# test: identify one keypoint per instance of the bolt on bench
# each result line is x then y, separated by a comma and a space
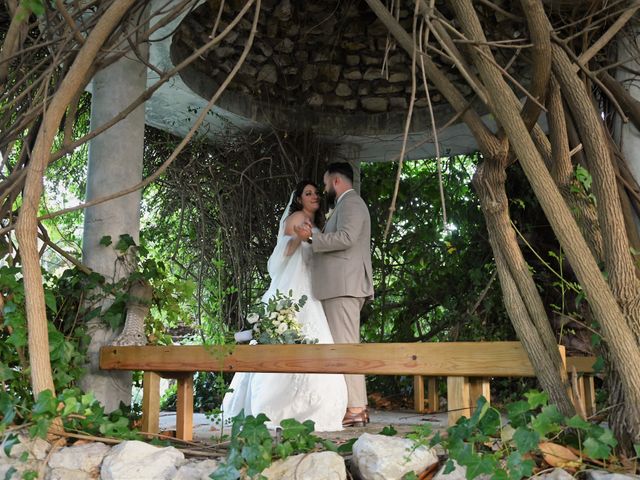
466, 365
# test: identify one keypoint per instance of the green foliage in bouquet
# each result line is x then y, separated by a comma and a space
275, 322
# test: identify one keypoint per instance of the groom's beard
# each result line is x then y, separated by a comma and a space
330, 198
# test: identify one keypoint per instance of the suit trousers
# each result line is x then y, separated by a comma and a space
343, 316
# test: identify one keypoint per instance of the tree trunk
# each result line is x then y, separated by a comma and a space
625, 352
27, 225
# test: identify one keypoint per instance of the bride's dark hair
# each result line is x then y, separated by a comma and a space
296, 206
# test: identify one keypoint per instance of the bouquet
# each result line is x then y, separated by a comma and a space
276, 321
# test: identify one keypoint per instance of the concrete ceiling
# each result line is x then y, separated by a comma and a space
175, 105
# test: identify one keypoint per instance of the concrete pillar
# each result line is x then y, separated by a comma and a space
115, 163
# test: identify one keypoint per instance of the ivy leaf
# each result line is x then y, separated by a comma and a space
596, 449
347, 447
226, 472
389, 431
578, 422
526, 440
46, 404
598, 365
125, 242
9, 473
8, 444
106, 241
518, 413
519, 467
410, 476
536, 399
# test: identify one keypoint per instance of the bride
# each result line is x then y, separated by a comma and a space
318, 397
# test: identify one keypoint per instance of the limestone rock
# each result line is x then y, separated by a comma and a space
198, 470
375, 104
556, 474
352, 74
329, 72
343, 90
602, 475
309, 72
136, 460
396, 77
265, 48
379, 457
86, 458
312, 466
352, 60
315, 100
368, 60
66, 474
36, 448
268, 73
398, 103
372, 74
285, 46
459, 473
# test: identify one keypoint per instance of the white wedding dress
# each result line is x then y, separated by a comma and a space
318, 397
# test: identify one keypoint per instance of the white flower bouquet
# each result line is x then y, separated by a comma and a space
276, 321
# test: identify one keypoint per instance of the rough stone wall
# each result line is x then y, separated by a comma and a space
327, 56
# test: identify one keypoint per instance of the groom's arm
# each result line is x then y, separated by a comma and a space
350, 222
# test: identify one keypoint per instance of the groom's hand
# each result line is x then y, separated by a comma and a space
303, 231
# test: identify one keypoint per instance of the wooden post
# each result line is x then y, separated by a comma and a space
184, 407
457, 398
589, 394
433, 400
418, 393
478, 387
151, 402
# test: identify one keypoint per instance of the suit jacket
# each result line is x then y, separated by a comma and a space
342, 252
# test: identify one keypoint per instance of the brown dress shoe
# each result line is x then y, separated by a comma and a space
354, 419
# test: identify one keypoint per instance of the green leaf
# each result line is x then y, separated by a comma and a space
519, 467
50, 301
9, 473
410, 476
598, 365
526, 440
518, 413
106, 241
125, 242
636, 447
536, 399
347, 447
46, 404
578, 422
596, 449
226, 472
389, 431
9, 442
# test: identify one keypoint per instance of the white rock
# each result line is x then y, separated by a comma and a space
36, 448
87, 457
602, 475
199, 470
66, 474
555, 474
379, 457
459, 473
312, 466
136, 460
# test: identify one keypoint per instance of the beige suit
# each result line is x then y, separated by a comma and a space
342, 277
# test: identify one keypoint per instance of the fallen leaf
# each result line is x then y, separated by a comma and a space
559, 456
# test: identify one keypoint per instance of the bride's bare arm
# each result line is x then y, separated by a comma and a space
296, 218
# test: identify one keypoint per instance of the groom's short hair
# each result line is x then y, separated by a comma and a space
343, 168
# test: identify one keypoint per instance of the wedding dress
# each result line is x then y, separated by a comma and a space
318, 397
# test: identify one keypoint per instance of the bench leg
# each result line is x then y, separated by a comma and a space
589, 395
457, 398
184, 407
418, 393
433, 401
151, 402
479, 387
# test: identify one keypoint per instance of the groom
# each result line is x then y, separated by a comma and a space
341, 273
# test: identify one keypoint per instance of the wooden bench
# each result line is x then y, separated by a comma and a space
467, 366
428, 400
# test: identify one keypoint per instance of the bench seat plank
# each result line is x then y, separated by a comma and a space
469, 359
